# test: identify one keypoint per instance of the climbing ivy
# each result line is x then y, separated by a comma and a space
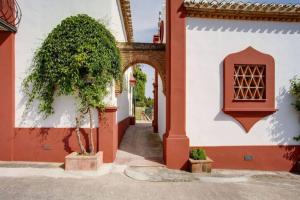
80, 58
295, 91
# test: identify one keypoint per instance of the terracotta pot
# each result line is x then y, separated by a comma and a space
200, 166
75, 162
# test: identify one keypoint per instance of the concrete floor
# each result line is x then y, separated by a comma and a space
139, 174
140, 147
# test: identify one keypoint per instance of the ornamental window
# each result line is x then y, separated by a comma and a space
249, 80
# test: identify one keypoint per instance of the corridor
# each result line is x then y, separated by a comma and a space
140, 147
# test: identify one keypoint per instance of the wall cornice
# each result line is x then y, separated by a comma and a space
126, 12
242, 11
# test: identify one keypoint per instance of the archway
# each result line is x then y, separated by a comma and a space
147, 53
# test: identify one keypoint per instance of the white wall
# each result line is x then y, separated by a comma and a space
125, 98
209, 41
161, 109
39, 17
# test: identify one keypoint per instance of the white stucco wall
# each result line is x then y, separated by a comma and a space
39, 17
125, 98
209, 41
161, 109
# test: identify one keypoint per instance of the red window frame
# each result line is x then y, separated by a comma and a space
248, 112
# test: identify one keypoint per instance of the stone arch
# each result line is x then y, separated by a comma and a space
146, 53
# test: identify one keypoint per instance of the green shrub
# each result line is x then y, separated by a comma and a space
79, 57
141, 80
295, 91
198, 154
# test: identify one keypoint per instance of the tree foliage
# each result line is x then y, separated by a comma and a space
295, 91
141, 79
80, 58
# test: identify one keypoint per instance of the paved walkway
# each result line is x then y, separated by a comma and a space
140, 147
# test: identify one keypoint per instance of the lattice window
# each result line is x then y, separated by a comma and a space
249, 82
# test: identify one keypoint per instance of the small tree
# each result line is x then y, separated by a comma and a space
80, 58
295, 91
141, 79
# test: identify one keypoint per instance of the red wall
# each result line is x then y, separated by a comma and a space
278, 158
122, 127
7, 91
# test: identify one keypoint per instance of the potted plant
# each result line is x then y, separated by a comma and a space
199, 162
78, 58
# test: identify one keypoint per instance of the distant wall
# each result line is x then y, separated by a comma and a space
161, 109
124, 100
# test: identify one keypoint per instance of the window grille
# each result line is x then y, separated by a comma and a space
249, 82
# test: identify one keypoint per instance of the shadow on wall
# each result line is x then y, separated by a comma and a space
44, 134
243, 26
221, 116
283, 129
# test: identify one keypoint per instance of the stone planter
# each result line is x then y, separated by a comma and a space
200, 166
75, 162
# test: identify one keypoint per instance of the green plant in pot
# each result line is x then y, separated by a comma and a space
199, 162
80, 58
198, 154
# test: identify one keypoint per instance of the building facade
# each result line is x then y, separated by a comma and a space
224, 88
26, 136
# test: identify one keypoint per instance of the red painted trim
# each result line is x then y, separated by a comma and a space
176, 143
7, 91
53, 144
155, 115
122, 127
111, 109
278, 158
108, 134
249, 112
47, 144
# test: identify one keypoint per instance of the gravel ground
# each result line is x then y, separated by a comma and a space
118, 186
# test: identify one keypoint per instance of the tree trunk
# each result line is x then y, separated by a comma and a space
91, 138
82, 148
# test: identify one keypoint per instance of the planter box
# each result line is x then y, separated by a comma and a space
200, 166
75, 162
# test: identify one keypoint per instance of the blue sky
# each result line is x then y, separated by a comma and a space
145, 18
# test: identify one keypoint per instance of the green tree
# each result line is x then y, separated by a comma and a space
79, 58
295, 91
141, 79
149, 102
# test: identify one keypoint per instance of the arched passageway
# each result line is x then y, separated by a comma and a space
153, 55
148, 53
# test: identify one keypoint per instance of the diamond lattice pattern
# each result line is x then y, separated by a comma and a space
249, 82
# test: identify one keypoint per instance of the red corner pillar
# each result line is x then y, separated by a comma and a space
176, 143
7, 94
155, 110
108, 134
